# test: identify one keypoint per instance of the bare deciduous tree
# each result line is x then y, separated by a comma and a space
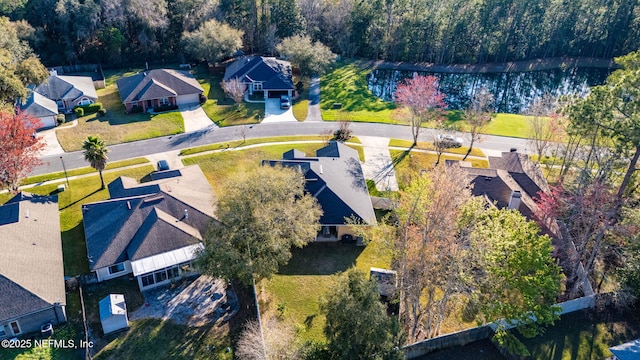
278, 342
235, 89
478, 115
431, 257
546, 124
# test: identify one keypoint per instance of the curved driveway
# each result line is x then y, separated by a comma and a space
72, 160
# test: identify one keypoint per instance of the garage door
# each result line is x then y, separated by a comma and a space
188, 99
275, 94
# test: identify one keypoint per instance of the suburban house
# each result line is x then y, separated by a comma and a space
32, 291
152, 230
38, 106
159, 88
259, 73
335, 178
512, 181
68, 91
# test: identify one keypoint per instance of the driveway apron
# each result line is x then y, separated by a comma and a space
195, 118
378, 165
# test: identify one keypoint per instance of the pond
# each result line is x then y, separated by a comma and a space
513, 91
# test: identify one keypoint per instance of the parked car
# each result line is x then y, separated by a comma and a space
285, 103
448, 141
163, 165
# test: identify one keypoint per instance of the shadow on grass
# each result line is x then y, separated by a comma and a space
80, 199
322, 259
399, 158
74, 251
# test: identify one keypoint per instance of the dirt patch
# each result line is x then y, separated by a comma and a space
198, 301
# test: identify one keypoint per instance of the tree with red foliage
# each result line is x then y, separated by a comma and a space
421, 97
18, 148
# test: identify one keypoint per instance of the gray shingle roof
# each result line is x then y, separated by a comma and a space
67, 87
147, 219
335, 178
39, 106
157, 84
32, 274
273, 73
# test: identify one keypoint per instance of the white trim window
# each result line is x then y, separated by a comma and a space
257, 86
164, 102
3, 332
117, 268
15, 327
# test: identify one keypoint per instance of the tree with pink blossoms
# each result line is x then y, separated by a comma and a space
422, 100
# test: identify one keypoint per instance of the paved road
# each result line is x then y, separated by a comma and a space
491, 144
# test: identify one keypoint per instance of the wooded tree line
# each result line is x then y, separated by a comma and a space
448, 31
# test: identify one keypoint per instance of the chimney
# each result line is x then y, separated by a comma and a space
514, 200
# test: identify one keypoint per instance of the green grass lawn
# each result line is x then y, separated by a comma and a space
301, 104
221, 110
429, 146
346, 84
407, 164
118, 127
81, 171
299, 286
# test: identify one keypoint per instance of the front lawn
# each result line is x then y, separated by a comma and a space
222, 110
429, 147
118, 127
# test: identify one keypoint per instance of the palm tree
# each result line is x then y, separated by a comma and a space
95, 152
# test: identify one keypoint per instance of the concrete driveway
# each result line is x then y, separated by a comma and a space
378, 165
52, 146
195, 118
273, 113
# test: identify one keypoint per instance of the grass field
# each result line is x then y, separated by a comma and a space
297, 289
118, 127
222, 110
429, 146
81, 171
301, 104
346, 84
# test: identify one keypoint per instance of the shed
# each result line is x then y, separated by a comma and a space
113, 313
